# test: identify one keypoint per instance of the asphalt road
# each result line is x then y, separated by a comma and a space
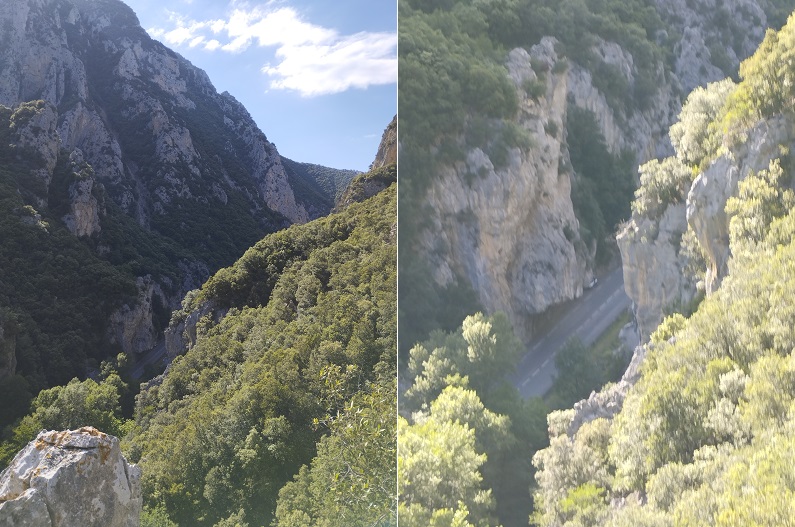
587, 318
150, 357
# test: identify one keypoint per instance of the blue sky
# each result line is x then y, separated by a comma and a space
319, 77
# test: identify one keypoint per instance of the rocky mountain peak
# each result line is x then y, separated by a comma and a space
152, 126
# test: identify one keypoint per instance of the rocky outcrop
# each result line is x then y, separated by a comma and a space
387, 149
655, 275
133, 325
706, 201
606, 403
265, 162
382, 173
84, 209
701, 54
73, 478
510, 231
653, 270
367, 185
642, 132
181, 333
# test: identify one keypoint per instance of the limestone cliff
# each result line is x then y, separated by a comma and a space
132, 326
508, 230
655, 266
387, 149
715, 36
151, 125
74, 478
654, 276
505, 228
84, 208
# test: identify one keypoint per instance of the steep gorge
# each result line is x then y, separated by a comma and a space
702, 434
122, 160
503, 219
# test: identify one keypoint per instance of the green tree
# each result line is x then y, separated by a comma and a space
761, 198
661, 183
351, 480
479, 355
78, 404
697, 134
438, 466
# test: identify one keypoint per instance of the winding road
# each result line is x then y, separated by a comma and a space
586, 317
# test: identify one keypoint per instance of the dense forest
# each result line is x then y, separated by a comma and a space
456, 95
283, 407
705, 436
702, 438
465, 435
56, 291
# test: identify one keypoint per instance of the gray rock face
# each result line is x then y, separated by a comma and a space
73, 478
643, 132
181, 333
33, 130
653, 271
138, 135
654, 266
504, 229
700, 55
83, 217
387, 149
606, 403
132, 326
706, 201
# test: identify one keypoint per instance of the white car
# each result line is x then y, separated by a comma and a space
593, 283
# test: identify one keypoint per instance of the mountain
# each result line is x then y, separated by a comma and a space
700, 430
126, 180
279, 403
158, 135
523, 123
321, 185
523, 126
280, 395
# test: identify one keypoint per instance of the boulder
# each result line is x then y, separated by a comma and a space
71, 478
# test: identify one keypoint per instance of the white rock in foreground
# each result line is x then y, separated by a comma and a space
71, 478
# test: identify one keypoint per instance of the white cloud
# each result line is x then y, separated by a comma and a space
355, 61
313, 60
216, 26
212, 45
179, 35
